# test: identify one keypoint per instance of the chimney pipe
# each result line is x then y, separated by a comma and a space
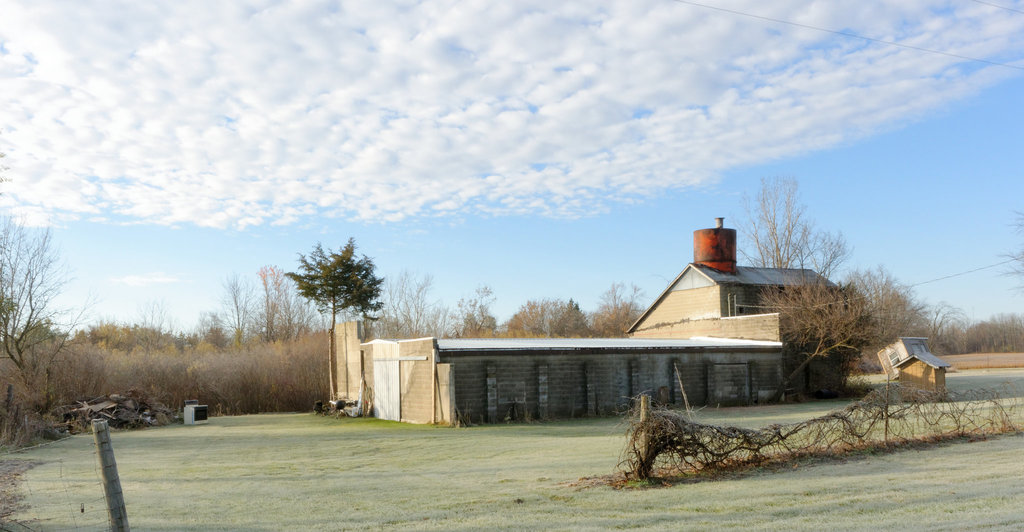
715, 248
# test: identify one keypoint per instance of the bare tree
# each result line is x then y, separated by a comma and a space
281, 313
210, 330
549, 318
239, 296
409, 311
894, 309
620, 307
33, 331
819, 320
946, 329
533, 319
569, 321
474, 318
268, 311
781, 235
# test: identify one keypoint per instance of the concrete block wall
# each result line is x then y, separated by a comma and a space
416, 376
493, 388
350, 361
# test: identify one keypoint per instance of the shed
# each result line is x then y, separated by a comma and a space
489, 380
909, 360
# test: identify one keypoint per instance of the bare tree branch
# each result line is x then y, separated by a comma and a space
778, 233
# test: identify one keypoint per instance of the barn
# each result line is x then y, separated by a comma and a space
706, 340
430, 380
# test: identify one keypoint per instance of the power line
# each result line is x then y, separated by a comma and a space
999, 6
865, 296
852, 35
962, 273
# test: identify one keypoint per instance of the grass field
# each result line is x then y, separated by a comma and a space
303, 472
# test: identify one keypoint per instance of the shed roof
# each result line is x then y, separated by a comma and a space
562, 344
911, 348
761, 276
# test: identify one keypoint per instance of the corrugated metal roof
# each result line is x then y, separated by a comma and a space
910, 348
506, 344
762, 276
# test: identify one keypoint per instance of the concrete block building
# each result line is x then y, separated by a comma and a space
706, 340
431, 380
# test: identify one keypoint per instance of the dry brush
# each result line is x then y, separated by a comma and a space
671, 442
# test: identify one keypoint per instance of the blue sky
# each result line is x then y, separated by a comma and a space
543, 151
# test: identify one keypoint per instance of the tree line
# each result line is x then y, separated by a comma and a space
268, 308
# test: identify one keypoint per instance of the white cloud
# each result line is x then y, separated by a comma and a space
146, 279
229, 115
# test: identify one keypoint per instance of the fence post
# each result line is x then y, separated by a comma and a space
645, 415
116, 510
885, 413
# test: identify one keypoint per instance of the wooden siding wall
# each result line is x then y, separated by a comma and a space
922, 376
493, 388
760, 327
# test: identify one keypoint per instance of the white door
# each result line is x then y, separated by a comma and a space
387, 400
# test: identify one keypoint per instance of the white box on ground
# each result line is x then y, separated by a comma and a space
196, 414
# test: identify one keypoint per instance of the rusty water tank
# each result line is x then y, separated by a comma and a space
715, 248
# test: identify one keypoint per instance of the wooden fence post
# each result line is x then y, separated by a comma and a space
116, 510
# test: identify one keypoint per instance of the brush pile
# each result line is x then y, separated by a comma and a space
121, 411
891, 415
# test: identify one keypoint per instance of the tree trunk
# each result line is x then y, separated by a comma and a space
786, 382
333, 358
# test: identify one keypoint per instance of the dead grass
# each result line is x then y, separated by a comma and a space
986, 360
10, 496
279, 377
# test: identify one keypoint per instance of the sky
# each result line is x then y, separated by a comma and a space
546, 150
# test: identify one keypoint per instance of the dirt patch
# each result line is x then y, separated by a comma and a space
10, 498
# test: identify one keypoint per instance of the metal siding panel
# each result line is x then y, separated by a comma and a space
387, 403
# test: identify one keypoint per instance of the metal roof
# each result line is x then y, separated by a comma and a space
562, 344
761, 276
911, 348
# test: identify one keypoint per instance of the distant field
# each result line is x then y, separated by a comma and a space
303, 472
986, 360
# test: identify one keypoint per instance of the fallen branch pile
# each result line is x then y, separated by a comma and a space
890, 415
122, 411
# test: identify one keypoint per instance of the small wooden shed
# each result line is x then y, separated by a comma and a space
910, 361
